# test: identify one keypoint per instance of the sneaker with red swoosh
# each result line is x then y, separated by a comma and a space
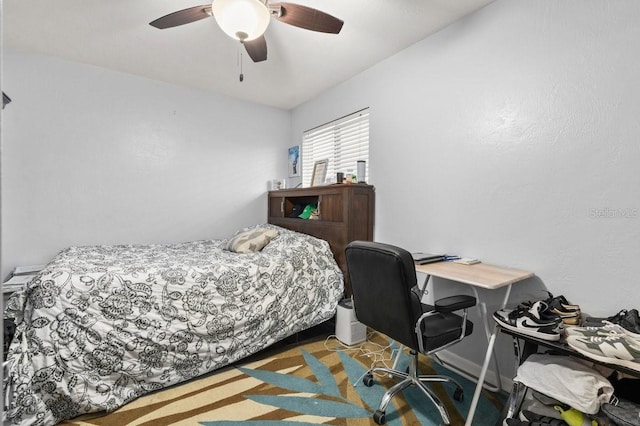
528, 321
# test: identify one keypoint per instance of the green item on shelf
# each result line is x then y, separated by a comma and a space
306, 213
574, 417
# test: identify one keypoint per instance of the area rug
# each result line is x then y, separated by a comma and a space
318, 382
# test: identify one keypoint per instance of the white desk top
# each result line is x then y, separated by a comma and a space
480, 275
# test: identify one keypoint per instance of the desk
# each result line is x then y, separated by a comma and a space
479, 275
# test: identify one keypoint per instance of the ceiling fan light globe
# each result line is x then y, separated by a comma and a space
238, 18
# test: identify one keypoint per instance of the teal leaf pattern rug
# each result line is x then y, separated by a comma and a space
340, 407
306, 384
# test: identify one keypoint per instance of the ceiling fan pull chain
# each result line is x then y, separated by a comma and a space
240, 62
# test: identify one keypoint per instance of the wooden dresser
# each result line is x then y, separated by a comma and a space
346, 213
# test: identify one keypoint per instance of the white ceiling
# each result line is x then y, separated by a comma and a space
115, 34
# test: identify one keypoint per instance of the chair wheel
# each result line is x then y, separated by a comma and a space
368, 380
379, 417
458, 395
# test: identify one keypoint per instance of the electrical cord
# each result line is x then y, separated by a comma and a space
379, 354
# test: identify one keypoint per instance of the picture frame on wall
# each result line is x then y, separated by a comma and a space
294, 161
319, 172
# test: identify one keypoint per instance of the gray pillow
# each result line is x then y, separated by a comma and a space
251, 241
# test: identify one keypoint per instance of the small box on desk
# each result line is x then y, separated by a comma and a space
348, 329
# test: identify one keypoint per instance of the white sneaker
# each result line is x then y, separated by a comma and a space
607, 329
614, 349
529, 321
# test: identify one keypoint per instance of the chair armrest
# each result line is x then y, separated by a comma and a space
454, 303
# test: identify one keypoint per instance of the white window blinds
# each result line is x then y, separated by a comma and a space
343, 142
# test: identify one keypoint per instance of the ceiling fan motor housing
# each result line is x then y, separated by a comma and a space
241, 19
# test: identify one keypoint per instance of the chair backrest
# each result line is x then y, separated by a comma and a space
382, 277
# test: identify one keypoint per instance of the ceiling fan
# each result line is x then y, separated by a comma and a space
247, 20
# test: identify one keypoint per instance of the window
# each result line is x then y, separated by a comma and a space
343, 142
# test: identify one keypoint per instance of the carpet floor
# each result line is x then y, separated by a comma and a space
314, 382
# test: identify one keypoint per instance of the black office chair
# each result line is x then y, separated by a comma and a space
386, 299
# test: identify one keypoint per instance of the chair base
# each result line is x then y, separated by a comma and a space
411, 379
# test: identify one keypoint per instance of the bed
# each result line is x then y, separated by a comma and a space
103, 325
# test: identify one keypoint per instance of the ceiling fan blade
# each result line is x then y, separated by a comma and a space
308, 18
257, 49
181, 17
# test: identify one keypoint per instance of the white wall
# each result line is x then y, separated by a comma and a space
92, 156
506, 137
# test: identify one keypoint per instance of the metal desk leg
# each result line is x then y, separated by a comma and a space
482, 307
485, 365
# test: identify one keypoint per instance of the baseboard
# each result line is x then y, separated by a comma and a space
472, 369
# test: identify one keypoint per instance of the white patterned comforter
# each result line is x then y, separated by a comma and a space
101, 326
